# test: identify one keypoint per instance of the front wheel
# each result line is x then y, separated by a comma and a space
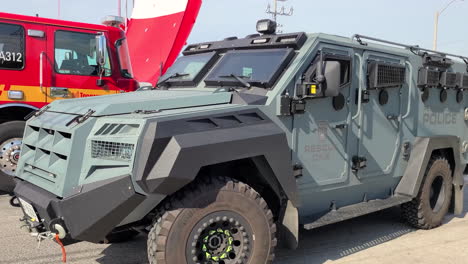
221, 222
11, 136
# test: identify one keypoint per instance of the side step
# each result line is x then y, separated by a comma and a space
351, 211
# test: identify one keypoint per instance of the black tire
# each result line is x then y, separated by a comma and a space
225, 218
9, 130
429, 208
120, 236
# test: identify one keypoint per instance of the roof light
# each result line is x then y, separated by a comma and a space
266, 26
204, 46
288, 39
260, 41
113, 21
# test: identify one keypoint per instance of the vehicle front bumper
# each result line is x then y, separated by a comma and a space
88, 215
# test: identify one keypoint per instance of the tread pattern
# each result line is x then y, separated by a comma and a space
167, 213
412, 211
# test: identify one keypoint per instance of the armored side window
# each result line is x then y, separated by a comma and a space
11, 47
345, 68
384, 75
325, 77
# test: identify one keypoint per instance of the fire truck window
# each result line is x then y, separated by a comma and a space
75, 54
11, 47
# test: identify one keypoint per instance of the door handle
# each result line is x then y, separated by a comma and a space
61, 92
41, 72
392, 117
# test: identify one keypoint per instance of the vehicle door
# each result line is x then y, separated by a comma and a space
379, 127
322, 132
22, 63
75, 71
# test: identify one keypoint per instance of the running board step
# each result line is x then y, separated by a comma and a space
351, 211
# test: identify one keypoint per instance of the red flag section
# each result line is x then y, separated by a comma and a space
157, 32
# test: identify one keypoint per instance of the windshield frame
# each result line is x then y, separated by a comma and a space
197, 77
126, 73
213, 81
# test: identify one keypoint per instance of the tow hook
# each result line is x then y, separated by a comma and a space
51, 236
57, 237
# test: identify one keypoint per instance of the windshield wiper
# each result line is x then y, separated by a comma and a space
172, 76
238, 78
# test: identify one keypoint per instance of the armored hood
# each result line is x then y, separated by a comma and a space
151, 101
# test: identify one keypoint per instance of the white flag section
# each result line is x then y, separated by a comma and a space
157, 8
157, 32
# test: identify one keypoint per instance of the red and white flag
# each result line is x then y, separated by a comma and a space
157, 32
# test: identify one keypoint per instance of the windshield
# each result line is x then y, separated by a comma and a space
187, 69
124, 58
257, 67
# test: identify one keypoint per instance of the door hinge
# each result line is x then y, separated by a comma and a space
290, 106
365, 97
359, 163
406, 150
297, 171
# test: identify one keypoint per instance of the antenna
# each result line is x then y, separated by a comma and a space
58, 9
281, 11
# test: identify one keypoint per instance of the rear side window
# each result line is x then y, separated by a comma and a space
11, 47
75, 54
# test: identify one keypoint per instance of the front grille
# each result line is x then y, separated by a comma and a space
45, 151
111, 150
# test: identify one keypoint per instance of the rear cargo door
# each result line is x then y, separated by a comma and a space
379, 127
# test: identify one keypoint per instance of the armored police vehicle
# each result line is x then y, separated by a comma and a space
246, 139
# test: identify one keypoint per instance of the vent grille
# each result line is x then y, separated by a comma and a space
462, 81
448, 79
386, 75
428, 78
112, 150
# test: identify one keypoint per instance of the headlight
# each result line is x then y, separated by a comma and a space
112, 150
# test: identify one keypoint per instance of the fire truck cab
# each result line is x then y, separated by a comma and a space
42, 60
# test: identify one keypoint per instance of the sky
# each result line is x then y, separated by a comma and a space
405, 21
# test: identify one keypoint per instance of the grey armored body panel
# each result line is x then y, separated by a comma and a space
324, 128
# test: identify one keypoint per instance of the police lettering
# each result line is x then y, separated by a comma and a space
440, 118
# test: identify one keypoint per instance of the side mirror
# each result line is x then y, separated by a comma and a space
332, 82
101, 46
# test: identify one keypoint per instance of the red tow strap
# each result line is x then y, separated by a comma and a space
64, 253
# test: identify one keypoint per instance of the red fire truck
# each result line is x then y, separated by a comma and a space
42, 60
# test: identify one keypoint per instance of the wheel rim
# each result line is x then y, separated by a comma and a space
9, 155
437, 194
220, 238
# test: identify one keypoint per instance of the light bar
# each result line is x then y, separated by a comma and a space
266, 26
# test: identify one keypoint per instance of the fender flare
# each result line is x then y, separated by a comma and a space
33, 108
420, 155
174, 152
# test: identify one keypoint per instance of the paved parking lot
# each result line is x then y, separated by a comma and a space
378, 238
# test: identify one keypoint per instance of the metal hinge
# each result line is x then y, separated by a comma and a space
359, 163
297, 171
365, 97
290, 106
81, 118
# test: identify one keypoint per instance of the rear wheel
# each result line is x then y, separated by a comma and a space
429, 208
11, 136
220, 222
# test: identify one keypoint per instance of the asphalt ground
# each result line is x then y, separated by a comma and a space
377, 238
